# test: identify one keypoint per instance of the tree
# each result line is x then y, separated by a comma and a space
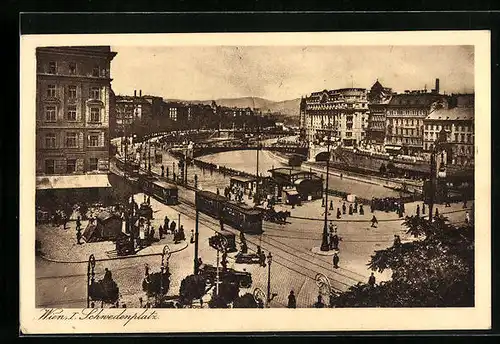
435, 270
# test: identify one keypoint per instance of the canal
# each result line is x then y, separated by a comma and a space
246, 161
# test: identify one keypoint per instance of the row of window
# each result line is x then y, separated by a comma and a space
95, 92
72, 69
400, 121
406, 131
465, 138
406, 140
71, 140
49, 168
448, 127
71, 114
411, 112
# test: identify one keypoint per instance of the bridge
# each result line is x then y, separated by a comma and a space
200, 150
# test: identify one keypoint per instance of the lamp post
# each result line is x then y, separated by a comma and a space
164, 255
438, 146
324, 238
90, 276
269, 261
221, 246
196, 234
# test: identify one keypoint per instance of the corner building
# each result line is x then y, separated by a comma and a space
72, 113
343, 112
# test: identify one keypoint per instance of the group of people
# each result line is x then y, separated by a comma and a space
170, 227
354, 208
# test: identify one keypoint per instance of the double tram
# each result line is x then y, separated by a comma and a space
240, 216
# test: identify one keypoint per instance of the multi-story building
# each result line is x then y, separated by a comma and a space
341, 112
72, 113
458, 122
378, 98
405, 118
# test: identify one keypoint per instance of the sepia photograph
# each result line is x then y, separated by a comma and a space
217, 175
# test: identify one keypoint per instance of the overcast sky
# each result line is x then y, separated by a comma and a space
282, 73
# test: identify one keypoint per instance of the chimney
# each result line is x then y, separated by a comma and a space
437, 85
140, 93
135, 93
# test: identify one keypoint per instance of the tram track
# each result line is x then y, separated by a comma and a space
311, 267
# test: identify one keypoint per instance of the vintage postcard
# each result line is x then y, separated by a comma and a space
255, 182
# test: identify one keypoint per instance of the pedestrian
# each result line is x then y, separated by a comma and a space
78, 237
361, 210
467, 217
166, 220
192, 237
355, 209
371, 280
319, 303
341, 176
330, 241
78, 222
374, 221
160, 232
418, 210
292, 302
423, 208
436, 213
335, 240
107, 274
167, 171
350, 209
343, 208
338, 213
336, 260
397, 241
331, 205
162, 171
465, 203
323, 203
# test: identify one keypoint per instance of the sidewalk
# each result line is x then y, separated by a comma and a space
59, 245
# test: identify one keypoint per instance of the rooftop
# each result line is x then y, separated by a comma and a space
454, 114
415, 99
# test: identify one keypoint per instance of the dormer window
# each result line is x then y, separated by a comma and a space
52, 67
96, 71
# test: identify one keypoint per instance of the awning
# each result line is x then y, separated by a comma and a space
393, 147
73, 182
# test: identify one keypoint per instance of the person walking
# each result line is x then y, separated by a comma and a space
371, 280
374, 221
192, 237
335, 239
292, 302
78, 236
423, 208
343, 208
361, 210
350, 209
331, 205
467, 217
323, 203
160, 231
355, 209
336, 260
397, 241
436, 214
418, 210
338, 213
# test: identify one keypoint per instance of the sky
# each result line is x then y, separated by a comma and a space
283, 73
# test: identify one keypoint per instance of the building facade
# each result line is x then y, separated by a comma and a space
342, 112
73, 108
378, 99
458, 122
405, 118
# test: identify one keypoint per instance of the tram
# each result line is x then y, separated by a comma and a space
164, 192
239, 216
131, 167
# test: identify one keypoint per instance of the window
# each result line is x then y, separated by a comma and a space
72, 68
95, 114
348, 134
72, 92
52, 67
173, 114
93, 164
95, 70
95, 93
71, 115
434, 127
50, 140
462, 137
49, 166
50, 113
70, 165
456, 137
94, 140
71, 140
51, 91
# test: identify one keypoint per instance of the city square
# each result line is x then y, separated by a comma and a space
145, 201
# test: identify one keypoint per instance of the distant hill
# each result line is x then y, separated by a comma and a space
287, 107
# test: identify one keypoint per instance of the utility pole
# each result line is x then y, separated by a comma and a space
324, 239
196, 234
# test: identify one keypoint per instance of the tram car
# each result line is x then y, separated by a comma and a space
239, 216
131, 167
164, 192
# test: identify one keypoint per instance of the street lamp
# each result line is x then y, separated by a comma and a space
437, 147
269, 261
324, 239
166, 253
220, 246
90, 276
